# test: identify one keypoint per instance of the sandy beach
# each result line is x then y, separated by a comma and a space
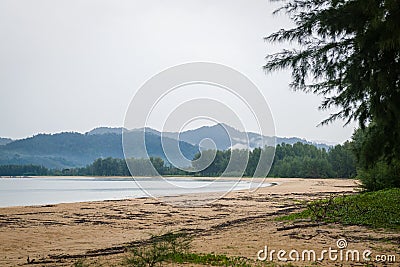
239, 224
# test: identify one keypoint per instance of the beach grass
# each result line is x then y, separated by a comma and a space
378, 209
173, 248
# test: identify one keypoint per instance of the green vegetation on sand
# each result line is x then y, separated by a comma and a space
378, 209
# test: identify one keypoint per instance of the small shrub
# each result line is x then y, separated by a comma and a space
159, 249
79, 263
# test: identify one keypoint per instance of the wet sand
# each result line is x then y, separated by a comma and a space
239, 224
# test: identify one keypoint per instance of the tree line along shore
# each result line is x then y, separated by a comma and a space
298, 160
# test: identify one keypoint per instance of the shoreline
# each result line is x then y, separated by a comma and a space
238, 185
238, 224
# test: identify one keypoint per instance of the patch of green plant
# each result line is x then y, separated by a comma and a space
306, 214
160, 249
174, 248
80, 263
378, 209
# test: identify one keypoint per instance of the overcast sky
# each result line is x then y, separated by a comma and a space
72, 65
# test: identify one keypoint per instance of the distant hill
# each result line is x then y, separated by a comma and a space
66, 150
223, 135
4, 141
106, 130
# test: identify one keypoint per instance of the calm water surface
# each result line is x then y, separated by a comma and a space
42, 191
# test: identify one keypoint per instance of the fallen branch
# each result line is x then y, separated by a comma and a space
295, 226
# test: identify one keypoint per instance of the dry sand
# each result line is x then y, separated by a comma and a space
239, 224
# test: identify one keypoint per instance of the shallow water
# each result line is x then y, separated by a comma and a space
54, 190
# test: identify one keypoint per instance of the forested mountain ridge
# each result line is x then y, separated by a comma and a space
72, 149
223, 135
4, 141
